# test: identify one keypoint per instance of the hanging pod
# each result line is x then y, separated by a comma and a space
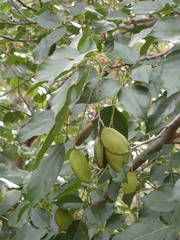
116, 148
83, 134
63, 218
99, 153
80, 166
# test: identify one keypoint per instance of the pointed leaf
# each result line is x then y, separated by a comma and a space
44, 177
38, 125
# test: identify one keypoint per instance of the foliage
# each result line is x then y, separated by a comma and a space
65, 64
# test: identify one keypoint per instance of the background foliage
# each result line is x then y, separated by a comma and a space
63, 65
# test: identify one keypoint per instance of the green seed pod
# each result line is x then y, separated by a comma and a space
83, 134
114, 141
63, 218
131, 184
80, 166
99, 153
115, 161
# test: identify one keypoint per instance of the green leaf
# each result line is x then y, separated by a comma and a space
38, 125
176, 191
167, 28
155, 83
161, 199
115, 221
78, 9
70, 201
60, 118
145, 229
127, 54
97, 215
170, 73
116, 15
135, 100
174, 160
147, 7
43, 48
10, 198
62, 60
160, 109
27, 232
40, 218
48, 20
44, 177
78, 231
20, 215
102, 26
136, 38
142, 73
176, 219
102, 235
113, 190
12, 117
105, 88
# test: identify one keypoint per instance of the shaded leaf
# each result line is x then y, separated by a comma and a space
167, 28
170, 73
27, 232
127, 54
135, 100
147, 7
145, 229
10, 198
48, 20
161, 199
142, 73
44, 177
39, 124
43, 48
78, 231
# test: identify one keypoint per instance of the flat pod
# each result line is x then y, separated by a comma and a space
132, 183
114, 141
115, 161
83, 134
80, 166
99, 153
63, 218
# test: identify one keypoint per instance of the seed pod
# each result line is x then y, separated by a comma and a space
63, 218
131, 184
114, 141
80, 166
115, 161
84, 134
99, 153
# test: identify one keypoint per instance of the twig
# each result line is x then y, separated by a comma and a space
165, 138
20, 13
12, 89
17, 23
16, 40
13, 109
26, 6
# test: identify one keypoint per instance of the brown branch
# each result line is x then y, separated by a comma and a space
20, 13
26, 6
17, 23
16, 40
166, 136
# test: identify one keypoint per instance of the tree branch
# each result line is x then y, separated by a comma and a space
17, 23
165, 137
26, 6
16, 40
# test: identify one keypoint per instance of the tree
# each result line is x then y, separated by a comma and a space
68, 70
